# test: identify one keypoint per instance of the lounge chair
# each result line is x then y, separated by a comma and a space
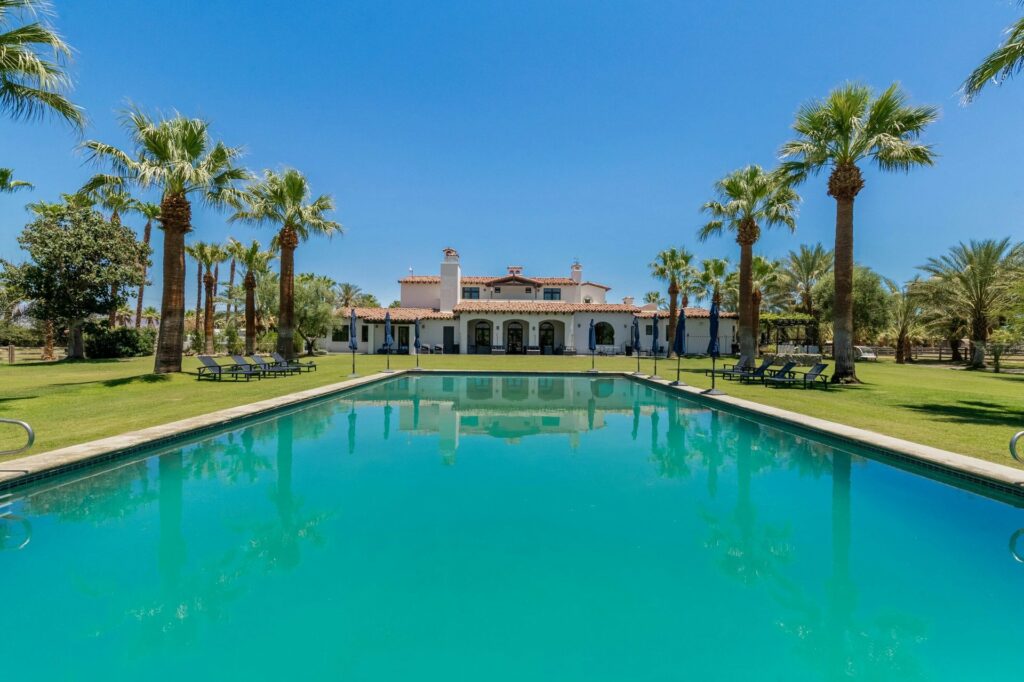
273, 368
785, 371
735, 371
308, 366
212, 370
811, 377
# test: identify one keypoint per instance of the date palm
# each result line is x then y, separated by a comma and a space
977, 282
713, 273
848, 128
654, 297
347, 295
906, 319
745, 200
1004, 62
33, 59
8, 185
284, 200
150, 212
255, 262
675, 266
178, 157
151, 315
801, 270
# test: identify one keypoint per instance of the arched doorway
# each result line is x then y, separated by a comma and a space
515, 336
480, 336
605, 334
551, 336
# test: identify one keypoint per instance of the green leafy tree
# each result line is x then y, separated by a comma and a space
1005, 61
848, 128
365, 300
80, 265
871, 306
33, 62
178, 157
314, 308
675, 266
745, 200
284, 200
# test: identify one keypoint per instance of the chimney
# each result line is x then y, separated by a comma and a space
451, 280
515, 270
627, 300
577, 272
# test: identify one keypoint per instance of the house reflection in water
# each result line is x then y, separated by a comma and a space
510, 407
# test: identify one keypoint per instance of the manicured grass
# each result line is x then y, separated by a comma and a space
68, 403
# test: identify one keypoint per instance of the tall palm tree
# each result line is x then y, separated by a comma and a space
177, 156
209, 255
906, 320
746, 199
675, 266
1005, 61
801, 270
235, 249
150, 212
848, 128
151, 315
764, 284
347, 295
713, 273
197, 250
978, 282
655, 297
33, 58
284, 200
8, 185
255, 261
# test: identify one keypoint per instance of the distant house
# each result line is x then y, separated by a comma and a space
515, 313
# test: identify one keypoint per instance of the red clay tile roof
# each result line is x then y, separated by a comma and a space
537, 307
399, 314
527, 281
690, 312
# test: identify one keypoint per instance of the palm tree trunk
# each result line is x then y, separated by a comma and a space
76, 342
755, 320
250, 314
208, 319
746, 236
901, 357
673, 314
176, 216
48, 353
954, 347
979, 336
199, 292
288, 241
844, 184
146, 234
231, 286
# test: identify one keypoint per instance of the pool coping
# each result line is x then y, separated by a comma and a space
18, 472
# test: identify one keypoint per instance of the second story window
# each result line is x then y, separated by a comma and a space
471, 292
552, 294
497, 290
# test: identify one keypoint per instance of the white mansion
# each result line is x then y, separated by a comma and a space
514, 313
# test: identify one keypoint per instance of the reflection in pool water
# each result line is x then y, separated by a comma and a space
509, 528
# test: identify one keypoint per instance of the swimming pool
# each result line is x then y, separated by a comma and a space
508, 528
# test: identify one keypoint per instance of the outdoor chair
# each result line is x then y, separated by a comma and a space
533, 350
785, 371
735, 371
274, 368
309, 366
811, 378
212, 370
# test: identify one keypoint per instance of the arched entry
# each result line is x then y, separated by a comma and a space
480, 334
551, 336
604, 333
516, 336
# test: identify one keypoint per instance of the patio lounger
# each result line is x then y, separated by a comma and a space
734, 371
308, 366
212, 370
533, 350
811, 377
785, 371
273, 368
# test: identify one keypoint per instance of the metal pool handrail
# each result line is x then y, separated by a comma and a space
28, 430
1013, 446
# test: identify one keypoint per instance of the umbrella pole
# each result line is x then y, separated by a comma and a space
654, 352
353, 364
713, 390
637, 351
417, 358
677, 382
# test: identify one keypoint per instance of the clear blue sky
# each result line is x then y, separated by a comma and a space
536, 132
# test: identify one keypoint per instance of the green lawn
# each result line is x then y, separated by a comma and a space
67, 403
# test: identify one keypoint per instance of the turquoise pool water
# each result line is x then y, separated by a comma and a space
508, 528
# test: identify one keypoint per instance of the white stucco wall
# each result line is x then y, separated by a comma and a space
421, 296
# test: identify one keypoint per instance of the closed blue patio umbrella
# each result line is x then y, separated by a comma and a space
352, 430
353, 344
713, 349
636, 343
592, 344
416, 341
654, 347
679, 344
388, 340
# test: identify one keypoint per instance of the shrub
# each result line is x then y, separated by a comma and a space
233, 340
121, 342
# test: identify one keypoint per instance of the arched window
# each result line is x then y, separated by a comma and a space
547, 335
605, 334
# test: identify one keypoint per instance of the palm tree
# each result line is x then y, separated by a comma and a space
117, 201
801, 270
124, 315
177, 156
33, 57
347, 295
197, 251
714, 272
255, 261
746, 199
675, 267
906, 321
208, 255
977, 282
150, 212
235, 249
850, 127
8, 185
284, 199
654, 297
151, 315
1006, 60
764, 277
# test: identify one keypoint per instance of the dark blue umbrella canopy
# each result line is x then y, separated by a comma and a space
388, 340
416, 333
592, 343
713, 349
352, 322
636, 334
679, 343
654, 341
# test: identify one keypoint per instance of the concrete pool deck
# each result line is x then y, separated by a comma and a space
997, 477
